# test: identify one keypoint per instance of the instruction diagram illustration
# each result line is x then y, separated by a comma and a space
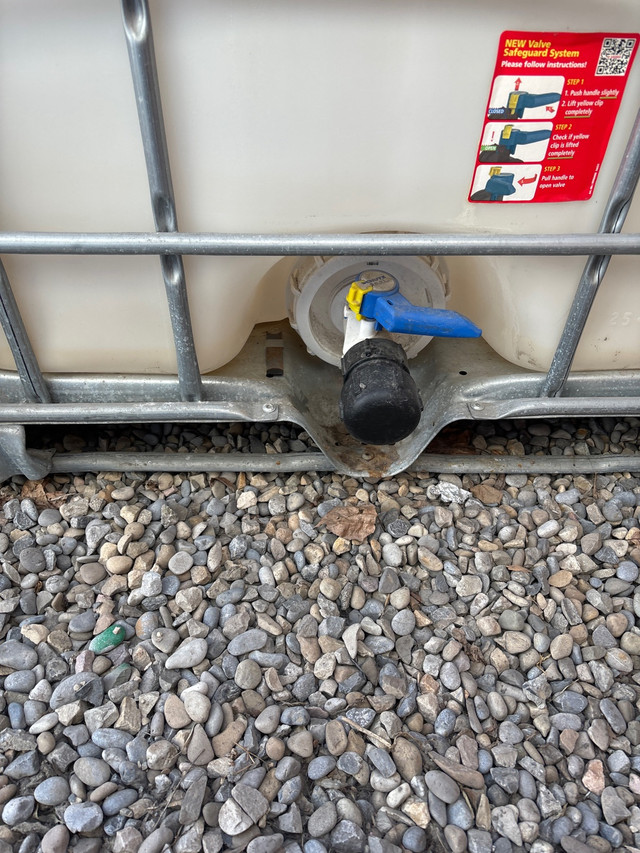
504, 143
517, 183
551, 107
525, 97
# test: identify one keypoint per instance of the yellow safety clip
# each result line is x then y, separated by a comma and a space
355, 297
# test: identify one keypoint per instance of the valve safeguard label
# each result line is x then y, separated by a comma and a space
553, 103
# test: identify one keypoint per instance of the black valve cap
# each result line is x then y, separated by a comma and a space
380, 403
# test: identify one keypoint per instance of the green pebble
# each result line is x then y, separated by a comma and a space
108, 639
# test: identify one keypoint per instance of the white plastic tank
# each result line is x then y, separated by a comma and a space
341, 115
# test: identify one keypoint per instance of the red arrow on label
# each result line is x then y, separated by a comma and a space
524, 181
550, 109
518, 81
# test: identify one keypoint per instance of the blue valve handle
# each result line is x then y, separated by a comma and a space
500, 185
396, 314
522, 137
530, 101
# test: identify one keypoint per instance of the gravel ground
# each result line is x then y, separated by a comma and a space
312, 663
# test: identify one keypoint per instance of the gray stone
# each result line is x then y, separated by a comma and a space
613, 716
442, 786
613, 809
323, 820
627, 571
22, 681
505, 822
52, 791
456, 838
156, 840
191, 806
17, 810
23, 766
567, 721
320, 767
570, 701
247, 642
266, 844
294, 716
415, 839
347, 837
188, 654
445, 722
56, 839
403, 623
382, 761
459, 814
479, 841
450, 675
232, 819
83, 817
268, 720
291, 821
83, 686
251, 801
15, 655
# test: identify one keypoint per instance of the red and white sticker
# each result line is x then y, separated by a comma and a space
553, 102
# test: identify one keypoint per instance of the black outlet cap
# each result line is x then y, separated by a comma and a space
380, 403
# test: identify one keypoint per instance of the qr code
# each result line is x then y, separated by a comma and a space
615, 56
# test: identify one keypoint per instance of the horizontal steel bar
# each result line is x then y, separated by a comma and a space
149, 243
600, 407
73, 463
206, 411
102, 413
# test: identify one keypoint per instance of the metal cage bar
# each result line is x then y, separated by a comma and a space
613, 219
186, 243
33, 382
137, 26
434, 463
144, 399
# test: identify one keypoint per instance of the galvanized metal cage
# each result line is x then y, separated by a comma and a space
462, 379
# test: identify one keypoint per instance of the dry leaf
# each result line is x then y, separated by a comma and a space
351, 522
453, 439
487, 494
34, 490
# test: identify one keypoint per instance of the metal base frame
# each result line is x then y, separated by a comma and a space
458, 380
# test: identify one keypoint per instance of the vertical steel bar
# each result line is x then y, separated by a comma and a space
612, 221
137, 25
33, 382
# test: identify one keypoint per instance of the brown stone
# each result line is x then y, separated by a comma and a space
593, 778
130, 719
568, 738
119, 564
408, 759
228, 738
175, 713
335, 737
561, 579
464, 775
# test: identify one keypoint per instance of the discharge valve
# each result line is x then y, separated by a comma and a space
380, 403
